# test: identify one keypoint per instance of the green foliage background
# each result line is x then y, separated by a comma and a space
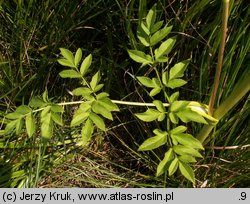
31, 33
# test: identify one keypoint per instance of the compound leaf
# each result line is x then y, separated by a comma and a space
98, 121
165, 48
160, 35
187, 140
153, 142
87, 131
30, 124
169, 156
187, 171
78, 56
178, 69
85, 65
173, 166
146, 81
140, 57
149, 115
188, 115
69, 73
175, 83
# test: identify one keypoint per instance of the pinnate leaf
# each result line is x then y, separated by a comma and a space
188, 115
179, 129
30, 124
95, 80
165, 48
175, 83
78, 57
140, 57
183, 150
160, 35
67, 55
169, 156
69, 73
87, 131
188, 140
173, 166
98, 121
86, 64
187, 171
149, 115
153, 142
178, 69
146, 81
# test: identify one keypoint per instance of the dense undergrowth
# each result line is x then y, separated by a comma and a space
31, 33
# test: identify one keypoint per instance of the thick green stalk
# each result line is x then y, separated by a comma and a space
240, 90
225, 15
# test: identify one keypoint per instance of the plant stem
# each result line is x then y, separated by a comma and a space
239, 91
225, 15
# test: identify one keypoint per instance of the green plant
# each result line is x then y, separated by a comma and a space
181, 147
92, 105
